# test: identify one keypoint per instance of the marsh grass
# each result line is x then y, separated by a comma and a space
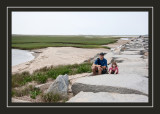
36, 42
41, 75
20, 79
28, 90
50, 97
34, 93
22, 92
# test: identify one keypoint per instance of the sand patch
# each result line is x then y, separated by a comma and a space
53, 56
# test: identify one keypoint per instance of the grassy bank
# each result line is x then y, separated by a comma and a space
34, 92
35, 42
43, 74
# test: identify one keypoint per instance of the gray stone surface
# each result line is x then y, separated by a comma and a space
109, 57
128, 65
19, 101
128, 56
130, 85
107, 97
137, 68
59, 86
130, 52
120, 83
132, 63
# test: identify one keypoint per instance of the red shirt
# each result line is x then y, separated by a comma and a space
116, 68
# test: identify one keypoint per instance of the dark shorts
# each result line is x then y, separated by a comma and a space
104, 71
113, 72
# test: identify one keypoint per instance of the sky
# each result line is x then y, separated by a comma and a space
80, 23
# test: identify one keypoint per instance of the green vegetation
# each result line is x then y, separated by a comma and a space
35, 42
21, 79
34, 93
26, 91
43, 74
22, 92
49, 97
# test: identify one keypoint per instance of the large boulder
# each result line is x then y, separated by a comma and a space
107, 97
59, 86
120, 83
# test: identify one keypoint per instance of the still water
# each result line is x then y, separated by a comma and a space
21, 56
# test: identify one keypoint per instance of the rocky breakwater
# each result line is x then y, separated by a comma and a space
130, 85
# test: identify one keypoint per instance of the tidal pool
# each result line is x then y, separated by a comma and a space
21, 56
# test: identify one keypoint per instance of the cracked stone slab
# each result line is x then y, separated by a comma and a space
134, 67
107, 97
135, 49
120, 83
130, 52
128, 56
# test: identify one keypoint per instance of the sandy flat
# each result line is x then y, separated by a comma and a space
53, 56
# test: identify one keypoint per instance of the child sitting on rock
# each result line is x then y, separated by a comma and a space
113, 69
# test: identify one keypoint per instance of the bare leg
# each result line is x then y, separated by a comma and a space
99, 70
94, 70
115, 72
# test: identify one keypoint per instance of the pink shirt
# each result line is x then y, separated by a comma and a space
116, 68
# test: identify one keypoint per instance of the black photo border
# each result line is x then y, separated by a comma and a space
150, 6
10, 9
